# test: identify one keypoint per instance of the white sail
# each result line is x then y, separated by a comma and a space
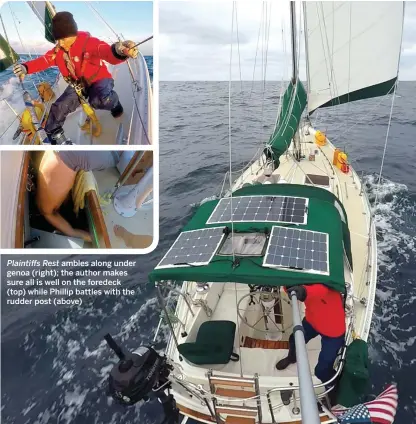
44, 11
352, 48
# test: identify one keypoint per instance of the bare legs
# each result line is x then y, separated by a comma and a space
55, 181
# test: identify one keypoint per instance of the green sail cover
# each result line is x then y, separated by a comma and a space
323, 216
7, 55
48, 26
293, 104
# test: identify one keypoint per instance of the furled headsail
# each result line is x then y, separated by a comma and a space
44, 11
352, 50
7, 55
293, 104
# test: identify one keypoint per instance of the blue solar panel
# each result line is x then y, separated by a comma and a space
195, 247
284, 209
300, 250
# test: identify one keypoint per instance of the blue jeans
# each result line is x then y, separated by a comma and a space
324, 369
100, 96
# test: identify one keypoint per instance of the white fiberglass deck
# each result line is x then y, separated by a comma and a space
222, 298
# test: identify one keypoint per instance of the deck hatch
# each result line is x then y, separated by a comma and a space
298, 250
318, 180
191, 248
283, 209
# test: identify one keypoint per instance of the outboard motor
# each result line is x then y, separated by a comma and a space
141, 375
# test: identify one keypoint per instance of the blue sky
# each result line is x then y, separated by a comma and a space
132, 19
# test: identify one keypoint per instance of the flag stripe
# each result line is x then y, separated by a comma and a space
391, 388
387, 402
379, 417
385, 410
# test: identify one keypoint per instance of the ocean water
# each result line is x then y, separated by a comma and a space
55, 363
11, 91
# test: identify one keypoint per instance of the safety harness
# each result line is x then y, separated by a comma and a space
92, 124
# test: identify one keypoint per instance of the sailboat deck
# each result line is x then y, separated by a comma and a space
224, 299
134, 232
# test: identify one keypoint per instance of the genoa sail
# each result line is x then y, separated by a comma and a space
7, 55
293, 104
350, 54
44, 11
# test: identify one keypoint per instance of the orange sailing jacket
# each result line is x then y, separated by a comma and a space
324, 310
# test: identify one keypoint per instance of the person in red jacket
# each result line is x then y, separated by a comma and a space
79, 57
325, 317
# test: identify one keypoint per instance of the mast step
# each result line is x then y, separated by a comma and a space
225, 380
237, 411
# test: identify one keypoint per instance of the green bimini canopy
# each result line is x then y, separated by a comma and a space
324, 214
293, 103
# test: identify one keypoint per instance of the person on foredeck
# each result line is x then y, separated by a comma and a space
56, 177
79, 57
325, 317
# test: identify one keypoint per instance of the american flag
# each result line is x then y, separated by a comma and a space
381, 410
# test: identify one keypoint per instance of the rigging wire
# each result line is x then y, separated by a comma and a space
40, 74
134, 81
349, 66
255, 57
266, 37
238, 47
229, 129
284, 73
103, 20
231, 180
385, 145
36, 75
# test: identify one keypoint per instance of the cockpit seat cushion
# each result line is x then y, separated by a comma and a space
214, 344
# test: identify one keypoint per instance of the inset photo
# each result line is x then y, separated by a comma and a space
76, 73
77, 199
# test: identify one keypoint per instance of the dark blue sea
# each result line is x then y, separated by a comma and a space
55, 363
11, 91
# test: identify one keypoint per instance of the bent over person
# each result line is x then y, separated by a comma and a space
56, 177
325, 317
79, 57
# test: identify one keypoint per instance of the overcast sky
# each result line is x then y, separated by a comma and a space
195, 41
134, 20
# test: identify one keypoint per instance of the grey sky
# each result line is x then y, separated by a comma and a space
195, 41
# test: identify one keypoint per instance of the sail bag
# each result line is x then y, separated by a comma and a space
354, 383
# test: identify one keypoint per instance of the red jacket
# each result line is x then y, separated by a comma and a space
324, 310
86, 48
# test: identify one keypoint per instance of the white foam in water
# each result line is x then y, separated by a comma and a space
395, 248
12, 92
392, 211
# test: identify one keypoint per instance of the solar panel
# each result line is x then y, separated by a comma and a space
195, 247
300, 250
290, 210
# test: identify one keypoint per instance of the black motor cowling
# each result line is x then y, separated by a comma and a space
137, 375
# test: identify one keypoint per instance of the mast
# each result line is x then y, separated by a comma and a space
293, 41
305, 32
296, 138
